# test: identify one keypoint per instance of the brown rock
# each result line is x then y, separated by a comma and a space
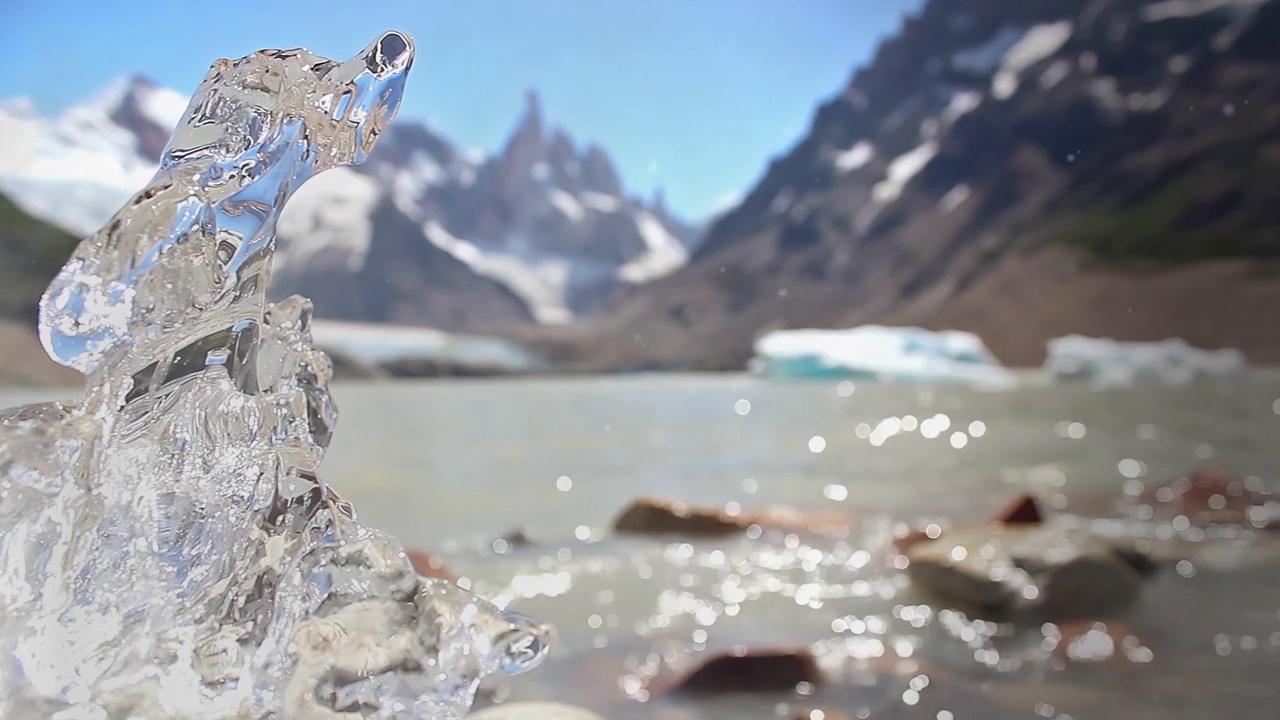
742, 670
1022, 511
428, 565
654, 516
1036, 569
1093, 641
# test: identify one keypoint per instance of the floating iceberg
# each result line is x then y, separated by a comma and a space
382, 344
875, 352
167, 549
1107, 361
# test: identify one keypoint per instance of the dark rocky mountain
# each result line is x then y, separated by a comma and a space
422, 234
541, 232
1019, 170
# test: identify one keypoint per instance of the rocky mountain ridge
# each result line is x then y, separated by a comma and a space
423, 234
1022, 171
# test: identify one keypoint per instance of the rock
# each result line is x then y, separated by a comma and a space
1022, 511
428, 565
651, 515
517, 538
1038, 569
1209, 497
534, 711
656, 516
1093, 641
742, 670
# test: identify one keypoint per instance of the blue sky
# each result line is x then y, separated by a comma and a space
693, 96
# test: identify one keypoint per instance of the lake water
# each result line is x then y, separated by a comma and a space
450, 466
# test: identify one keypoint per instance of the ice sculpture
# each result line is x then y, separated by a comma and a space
166, 547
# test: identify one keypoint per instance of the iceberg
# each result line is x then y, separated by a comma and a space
378, 344
875, 352
1111, 362
167, 546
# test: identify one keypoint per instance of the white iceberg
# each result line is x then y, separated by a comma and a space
875, 352
377, 344
1111, 362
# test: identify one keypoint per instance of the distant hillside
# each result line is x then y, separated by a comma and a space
31, 252
1020, 170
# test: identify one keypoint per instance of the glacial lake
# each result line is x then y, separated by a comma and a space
453, 466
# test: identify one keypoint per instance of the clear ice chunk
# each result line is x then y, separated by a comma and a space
167, 549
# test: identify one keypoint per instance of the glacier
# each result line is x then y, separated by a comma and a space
167, 545
876, 352
378, 344
1110, 362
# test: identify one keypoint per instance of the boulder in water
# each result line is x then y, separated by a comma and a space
745, 670
1038, 569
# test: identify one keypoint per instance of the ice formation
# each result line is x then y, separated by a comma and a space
166, 547
1109, 362
875, 352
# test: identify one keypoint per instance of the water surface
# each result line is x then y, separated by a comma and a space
452, 466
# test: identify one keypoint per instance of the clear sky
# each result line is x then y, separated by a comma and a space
693, 96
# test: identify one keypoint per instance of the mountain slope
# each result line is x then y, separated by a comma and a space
31, 252
541, 232
543, 219
1023, 171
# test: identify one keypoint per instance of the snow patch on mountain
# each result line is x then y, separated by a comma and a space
663, 252
567, 204
1169, 9
985, 58
855, 157
901, 170
1039, 42
327, 222
542, 281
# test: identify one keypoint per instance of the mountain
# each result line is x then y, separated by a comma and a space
31, 252
77, 169
423, 233
1018, 170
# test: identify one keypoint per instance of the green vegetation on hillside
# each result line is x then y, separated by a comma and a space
1170, 226
31, 252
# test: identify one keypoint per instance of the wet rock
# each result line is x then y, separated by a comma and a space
1044, 570
534, 711
517, 538
428, 565
1022, 511
742, 670
1209, 497
1091, 641
654, 516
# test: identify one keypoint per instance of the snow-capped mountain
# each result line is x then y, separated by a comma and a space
79, 168
423, 233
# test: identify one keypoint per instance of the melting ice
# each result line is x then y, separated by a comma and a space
166, 546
